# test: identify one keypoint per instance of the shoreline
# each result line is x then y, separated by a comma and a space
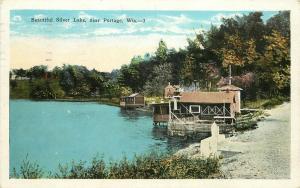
110, 103
259, 153
72, 100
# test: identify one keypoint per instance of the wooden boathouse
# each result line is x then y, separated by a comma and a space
135, 100
193, 112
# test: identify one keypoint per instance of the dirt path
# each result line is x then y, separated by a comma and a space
260, 153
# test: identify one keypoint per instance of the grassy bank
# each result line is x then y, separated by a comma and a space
149, 166
265, 103
248, 119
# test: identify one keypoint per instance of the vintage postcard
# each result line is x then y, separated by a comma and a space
149, 94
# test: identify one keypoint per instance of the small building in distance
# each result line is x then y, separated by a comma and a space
135, 100
237, 95
171, 90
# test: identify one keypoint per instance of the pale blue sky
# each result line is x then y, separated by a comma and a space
156, 22
104, 46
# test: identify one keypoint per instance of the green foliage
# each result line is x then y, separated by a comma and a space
19, 89
28, 170
265, 103
252, 46
273, 102
162, 74
161, 52
37, 72
148, 166
46, 89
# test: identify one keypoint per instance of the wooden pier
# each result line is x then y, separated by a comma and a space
193, 128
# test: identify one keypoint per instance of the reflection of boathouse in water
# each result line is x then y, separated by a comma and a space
195, 111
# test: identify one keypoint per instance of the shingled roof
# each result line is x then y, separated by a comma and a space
207, 97
133, 95
229, 88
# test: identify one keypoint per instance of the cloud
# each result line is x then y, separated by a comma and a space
182, 19
17, 18
67, 25
173, 30
217, 19
39, 16
122, 16
107, 31
84, 15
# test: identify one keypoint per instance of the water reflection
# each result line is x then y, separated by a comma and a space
161, 132
175, 143
133, 115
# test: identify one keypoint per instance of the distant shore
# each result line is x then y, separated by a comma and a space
99, 100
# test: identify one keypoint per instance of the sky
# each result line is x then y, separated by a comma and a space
107, 40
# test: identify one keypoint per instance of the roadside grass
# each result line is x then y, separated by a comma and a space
265, 103
147, 166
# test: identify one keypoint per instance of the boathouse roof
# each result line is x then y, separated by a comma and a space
229, 88
133, 95
207, 97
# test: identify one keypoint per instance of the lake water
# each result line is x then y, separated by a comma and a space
53, 133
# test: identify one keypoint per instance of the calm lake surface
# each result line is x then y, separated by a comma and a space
53, 133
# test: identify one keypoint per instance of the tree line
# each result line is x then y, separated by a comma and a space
258, 52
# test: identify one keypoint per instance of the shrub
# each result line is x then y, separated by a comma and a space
273, 102
148, 166
28, 170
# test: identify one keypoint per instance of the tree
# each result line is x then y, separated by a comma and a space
274, 64
161, 52
37, 72
130, 74
162, 74
95, 80
20, 73
281, 23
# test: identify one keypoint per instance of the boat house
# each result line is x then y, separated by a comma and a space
171, 90
135, 100
190, 109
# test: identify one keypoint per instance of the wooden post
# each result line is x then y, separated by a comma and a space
229, 75
170, 111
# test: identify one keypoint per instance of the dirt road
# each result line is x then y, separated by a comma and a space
260, 153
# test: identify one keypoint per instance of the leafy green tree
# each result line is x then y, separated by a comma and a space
281, 23
96, 81
274, 64
162, 74
161, 52
40, 89
37, 72
20, 73
130, 74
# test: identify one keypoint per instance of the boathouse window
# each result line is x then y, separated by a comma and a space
195, 108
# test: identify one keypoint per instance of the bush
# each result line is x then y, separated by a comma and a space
19, 89
273, 102
28, 170
149, 166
